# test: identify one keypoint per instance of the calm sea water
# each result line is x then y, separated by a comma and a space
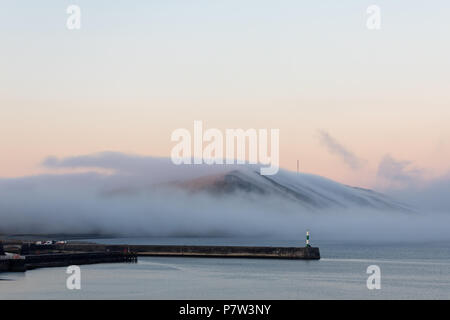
408, 271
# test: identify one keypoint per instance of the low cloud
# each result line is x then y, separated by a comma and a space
431, 195
398, 171
136, 200
404, 181
141, 168
334, 147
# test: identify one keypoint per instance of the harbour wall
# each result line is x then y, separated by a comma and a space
305, 253
34, 261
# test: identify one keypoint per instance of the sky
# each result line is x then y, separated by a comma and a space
363, 107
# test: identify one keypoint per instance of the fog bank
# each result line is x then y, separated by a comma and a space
138, 200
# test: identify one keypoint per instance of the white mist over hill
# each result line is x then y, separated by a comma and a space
144, 196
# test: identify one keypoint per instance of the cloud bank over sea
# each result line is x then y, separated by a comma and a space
134, 195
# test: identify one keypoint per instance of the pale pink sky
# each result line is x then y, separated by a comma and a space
125, 86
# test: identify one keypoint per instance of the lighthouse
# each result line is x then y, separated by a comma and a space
307, 238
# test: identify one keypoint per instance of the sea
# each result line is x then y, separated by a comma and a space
405, 270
